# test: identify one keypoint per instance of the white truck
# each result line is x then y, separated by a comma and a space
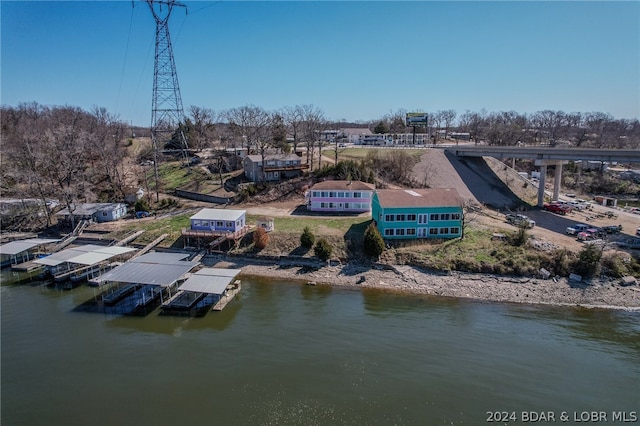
576, 229
520, 220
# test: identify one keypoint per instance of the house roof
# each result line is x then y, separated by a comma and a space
88, 209
348, 185
356, 131
282, 157
218, 214
436, 197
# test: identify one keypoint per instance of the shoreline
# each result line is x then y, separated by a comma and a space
596, 294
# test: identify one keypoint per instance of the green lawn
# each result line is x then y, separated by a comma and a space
360, 153
295, 225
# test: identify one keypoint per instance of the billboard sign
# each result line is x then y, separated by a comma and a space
416, 119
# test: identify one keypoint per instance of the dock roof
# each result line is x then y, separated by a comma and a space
16, 247
89, 254
210, 280
162, 269
219, 214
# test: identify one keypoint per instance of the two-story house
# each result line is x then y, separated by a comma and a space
276, 167
417, 213
338, 196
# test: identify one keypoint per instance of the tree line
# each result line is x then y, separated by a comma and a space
73, 155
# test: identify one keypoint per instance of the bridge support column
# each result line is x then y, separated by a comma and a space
557, 178
541, 182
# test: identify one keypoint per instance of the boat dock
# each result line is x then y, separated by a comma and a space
206, 289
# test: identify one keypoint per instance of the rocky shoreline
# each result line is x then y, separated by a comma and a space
601, 294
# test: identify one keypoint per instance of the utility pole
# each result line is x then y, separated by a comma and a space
167, 113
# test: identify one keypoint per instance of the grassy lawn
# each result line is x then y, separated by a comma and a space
360, 153
293, 225
175, 175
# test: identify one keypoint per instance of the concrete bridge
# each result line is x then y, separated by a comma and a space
549, 156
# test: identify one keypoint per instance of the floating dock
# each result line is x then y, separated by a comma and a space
206, 289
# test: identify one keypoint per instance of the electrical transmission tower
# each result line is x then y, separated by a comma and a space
166, 112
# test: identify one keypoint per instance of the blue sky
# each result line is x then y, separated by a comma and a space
355, 60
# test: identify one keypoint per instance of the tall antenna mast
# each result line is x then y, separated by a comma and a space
166, 112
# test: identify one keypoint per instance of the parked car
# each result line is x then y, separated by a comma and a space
612, 229
519, 220
141, 214
556, 208
576, 204
591, 234
577, 228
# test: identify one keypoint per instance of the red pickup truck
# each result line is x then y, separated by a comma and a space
556, 208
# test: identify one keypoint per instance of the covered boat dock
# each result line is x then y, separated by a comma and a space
208, 288
141, 284
82, 262
21, 251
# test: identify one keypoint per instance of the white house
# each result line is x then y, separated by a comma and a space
335, 196
96, 212
219, 220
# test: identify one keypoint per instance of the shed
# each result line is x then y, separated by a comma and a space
267, 223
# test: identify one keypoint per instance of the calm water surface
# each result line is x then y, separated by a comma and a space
285, 353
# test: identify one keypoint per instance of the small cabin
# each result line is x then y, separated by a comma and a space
218, 220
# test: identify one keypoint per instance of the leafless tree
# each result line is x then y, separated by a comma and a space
202, 129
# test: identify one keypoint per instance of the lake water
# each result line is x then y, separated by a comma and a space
284, 353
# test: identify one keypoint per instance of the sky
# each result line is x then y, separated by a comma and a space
356, 61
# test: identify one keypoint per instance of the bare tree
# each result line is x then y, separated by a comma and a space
448, 117
202, 129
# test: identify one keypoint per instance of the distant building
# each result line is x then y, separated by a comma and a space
340, 196
276, 167
417, 213
95, 212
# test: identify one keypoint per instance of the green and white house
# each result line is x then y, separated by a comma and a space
417, 213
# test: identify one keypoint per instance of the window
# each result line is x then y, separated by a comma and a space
346, 205
411, 217
434, 216
316, 193
444, 230
229, 224
400, 217
389, 218
422, 218
388, 232
104, 213
399, 231
357, 195
324, 194
340, 194
433, 231
332, 205
332, 194
455, 216
219, 224
444, 216
455, 230
323, 205
411, 231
